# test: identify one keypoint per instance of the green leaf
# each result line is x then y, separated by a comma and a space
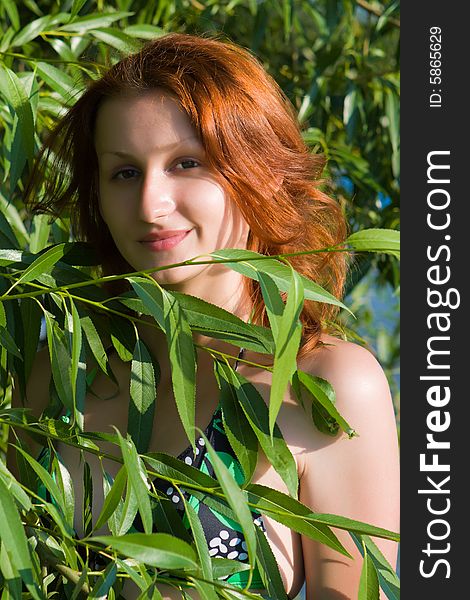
279, 272
156, 550
199, 541
112, 499
256, 411
144, 31
215, 322
14, 539
47, 480
104, 582
169, 315
95, 343
13, 90
269, 568
59, 81
292, 513
14, 487
43, 263
94, 20
40, 233
272, 301
138, 480
317, 387
12, 13
76, 7
369, 582
173, 468
237, 428
122, 336
65, 486
287, 346
236, 500
60, 362
7, 342
31, 30
143, 393
388, 578
116, 39
376, 240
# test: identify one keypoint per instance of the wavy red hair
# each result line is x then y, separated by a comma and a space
252, 140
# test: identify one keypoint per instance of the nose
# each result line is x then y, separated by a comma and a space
157, 197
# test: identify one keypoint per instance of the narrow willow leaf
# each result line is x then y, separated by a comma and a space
59, 81
12, 12
183, 363
138, 481
31, 30
46, 479
76, 7
292, 513
123, 337
14, 539
112, 498
354, 526
143, 393
272, 301
224, 567
236, 499
94, 20
126, 515
116, 39
87, 500
278, 271
256, 411
15, 94
375, 240
237, 428
60, 362
144, 31
316, 386
166, 519
369, 581
78, 589
269, 568
206, 590
12, 583
287, 346
388, 579
14, 487
104, 582
9, 256
11, 213
206, 317
7, 236
152, 298
95, 343
40, 231
200, 542
172, 468
7, 342
42, 264
156, 550
65, 486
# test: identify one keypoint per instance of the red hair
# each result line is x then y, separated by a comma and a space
252, 140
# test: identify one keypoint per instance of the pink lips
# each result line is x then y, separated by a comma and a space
164, 240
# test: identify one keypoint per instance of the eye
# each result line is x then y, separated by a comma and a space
126, 174
186, 163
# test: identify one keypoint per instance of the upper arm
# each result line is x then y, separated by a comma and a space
357, 478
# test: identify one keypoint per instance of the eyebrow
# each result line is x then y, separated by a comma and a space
166, 148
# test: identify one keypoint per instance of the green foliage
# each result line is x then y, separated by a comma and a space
337, 61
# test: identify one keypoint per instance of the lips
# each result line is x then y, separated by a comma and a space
164, 240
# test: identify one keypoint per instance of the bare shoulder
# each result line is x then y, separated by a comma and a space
355, 374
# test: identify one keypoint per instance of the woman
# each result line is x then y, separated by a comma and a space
182, 149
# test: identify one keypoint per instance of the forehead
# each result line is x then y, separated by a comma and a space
154, 117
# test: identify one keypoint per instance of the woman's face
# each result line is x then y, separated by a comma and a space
161, 202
